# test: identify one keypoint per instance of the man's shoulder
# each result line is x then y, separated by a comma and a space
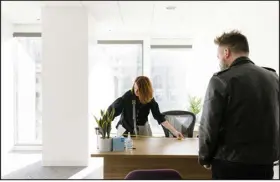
270, 69
221, 72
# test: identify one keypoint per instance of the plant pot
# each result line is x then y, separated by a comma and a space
105, 145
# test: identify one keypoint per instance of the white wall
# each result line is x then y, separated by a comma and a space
259, 22
263, 37
7, 87
27, 28
65, 86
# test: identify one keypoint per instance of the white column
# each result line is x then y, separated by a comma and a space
65, 86
7, 87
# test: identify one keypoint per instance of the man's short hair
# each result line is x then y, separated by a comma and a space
234, 40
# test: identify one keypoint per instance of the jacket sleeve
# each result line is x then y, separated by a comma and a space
117, 105
213, 110
156, 113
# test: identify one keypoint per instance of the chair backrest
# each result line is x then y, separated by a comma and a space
154, 174
183, 121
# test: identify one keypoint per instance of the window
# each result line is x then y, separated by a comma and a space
169, 77
113, 67
28, 59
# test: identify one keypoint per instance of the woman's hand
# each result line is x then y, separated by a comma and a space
178, 135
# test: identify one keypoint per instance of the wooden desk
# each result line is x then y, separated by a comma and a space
155, 153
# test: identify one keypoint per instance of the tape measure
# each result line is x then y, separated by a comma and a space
144, 136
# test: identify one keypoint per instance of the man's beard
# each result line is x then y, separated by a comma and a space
223, 65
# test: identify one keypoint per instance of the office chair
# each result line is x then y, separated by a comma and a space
183, 121
154, 174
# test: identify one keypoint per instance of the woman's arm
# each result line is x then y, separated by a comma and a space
117, 105
168, 126
161, 119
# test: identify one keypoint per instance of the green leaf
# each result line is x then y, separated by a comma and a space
195, 105
96, 119
102, 113
104, 122
112, 114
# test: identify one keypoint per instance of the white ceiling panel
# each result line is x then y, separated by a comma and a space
137, 13
104, 11
165, 17
152, 16
29, 12
188, 16
21, 11
60, 3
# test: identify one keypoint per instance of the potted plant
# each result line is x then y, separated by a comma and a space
104, 129
195, 105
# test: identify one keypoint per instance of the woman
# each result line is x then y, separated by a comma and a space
142, 95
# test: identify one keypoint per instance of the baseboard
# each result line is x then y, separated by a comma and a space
65, 163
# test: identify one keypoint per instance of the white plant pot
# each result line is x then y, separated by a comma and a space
105, 145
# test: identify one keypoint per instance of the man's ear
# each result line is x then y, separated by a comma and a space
227, 52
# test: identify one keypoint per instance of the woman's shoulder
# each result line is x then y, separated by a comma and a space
153, 102
127, 94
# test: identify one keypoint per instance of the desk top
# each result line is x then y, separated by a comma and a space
158, 147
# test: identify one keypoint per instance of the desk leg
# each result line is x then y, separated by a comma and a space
117, 167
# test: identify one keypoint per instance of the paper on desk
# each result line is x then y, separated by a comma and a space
120, 130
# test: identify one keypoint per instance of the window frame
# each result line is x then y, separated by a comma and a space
18, 145
167, 46
125, 42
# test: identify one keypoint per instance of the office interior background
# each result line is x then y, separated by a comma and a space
171, 42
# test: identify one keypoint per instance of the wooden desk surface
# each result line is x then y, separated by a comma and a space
155, 153
158, 147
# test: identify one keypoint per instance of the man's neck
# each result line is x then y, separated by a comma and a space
236, 56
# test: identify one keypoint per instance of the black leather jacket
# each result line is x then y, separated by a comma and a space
240, 119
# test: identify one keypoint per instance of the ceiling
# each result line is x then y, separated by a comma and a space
142, 16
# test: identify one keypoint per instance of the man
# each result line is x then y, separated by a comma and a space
239, 132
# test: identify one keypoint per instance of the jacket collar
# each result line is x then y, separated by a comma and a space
241, 60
